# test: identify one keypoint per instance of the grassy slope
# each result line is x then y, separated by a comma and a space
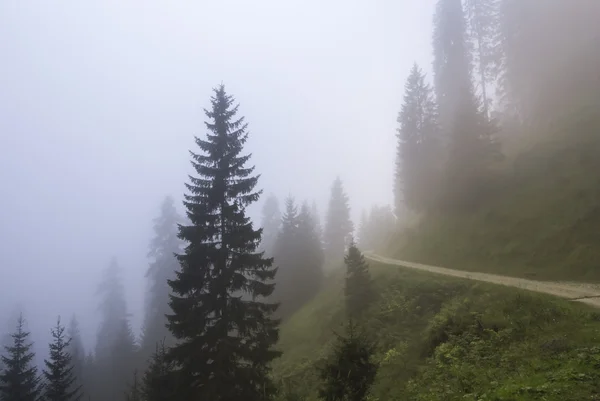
446, 339
542, 222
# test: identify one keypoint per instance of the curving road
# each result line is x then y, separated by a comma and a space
581, 292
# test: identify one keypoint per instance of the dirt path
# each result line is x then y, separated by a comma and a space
584, 292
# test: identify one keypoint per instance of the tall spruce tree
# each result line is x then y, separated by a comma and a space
359, 288
419, 150
225, 343
59, 371
349, 372
467, 129
116, 353
19, 381
451, 61
299, 257
158, 382
338, 226
163, 248
482, 33
77, 352
314, 211
271, 220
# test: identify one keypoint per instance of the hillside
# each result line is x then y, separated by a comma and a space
540, 221
440, 338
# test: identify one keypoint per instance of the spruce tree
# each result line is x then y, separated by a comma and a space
59, 371
163, 248
419, 151
482, 33
134, 392
77, 352
349, 371
314, 211
19, 381
338, 226
271, 220
158, 381
225, 343
359, 287
115, 353
310, 278
469, 132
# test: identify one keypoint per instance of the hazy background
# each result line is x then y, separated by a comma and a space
100, 101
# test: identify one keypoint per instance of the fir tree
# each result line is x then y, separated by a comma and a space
163, 248
19, 381
314, 211
158, 381
338, 226
349, 372
271, 220
451, 65
469, 132
299, 257
77, 352
419, 146
482, 32
59, 372
359, 288
115, 344
225, 342
134, 392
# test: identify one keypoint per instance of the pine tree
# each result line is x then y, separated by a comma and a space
359, 288
59, 372
299, 257
163, 248
482, 32
314, 211
115, 353
77, 352
349, 372
134, 392
338, 226
271, 219
363, 231
19, 381
452, 64
225, 342
419, 151
158, 382
469, 132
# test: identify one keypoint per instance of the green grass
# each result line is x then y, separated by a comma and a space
440, 338
541, 222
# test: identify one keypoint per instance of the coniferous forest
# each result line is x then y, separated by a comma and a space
496, 169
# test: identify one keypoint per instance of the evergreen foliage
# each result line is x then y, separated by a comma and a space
359, 287
350, 370
19, 381
158, 381
77, 353
115, 356
299, 257
225, 343
163, 248
419, 148
271, 220
338, 225
60, 383
482, 34
134, 392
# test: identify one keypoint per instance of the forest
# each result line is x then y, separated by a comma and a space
496, 169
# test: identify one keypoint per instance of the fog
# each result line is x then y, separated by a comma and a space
100, 102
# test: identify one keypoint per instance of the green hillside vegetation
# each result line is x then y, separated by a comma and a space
541, 220
445, 339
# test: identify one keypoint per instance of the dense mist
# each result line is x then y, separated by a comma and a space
100, 103
460, 133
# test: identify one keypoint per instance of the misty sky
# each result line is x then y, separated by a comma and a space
100, 101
